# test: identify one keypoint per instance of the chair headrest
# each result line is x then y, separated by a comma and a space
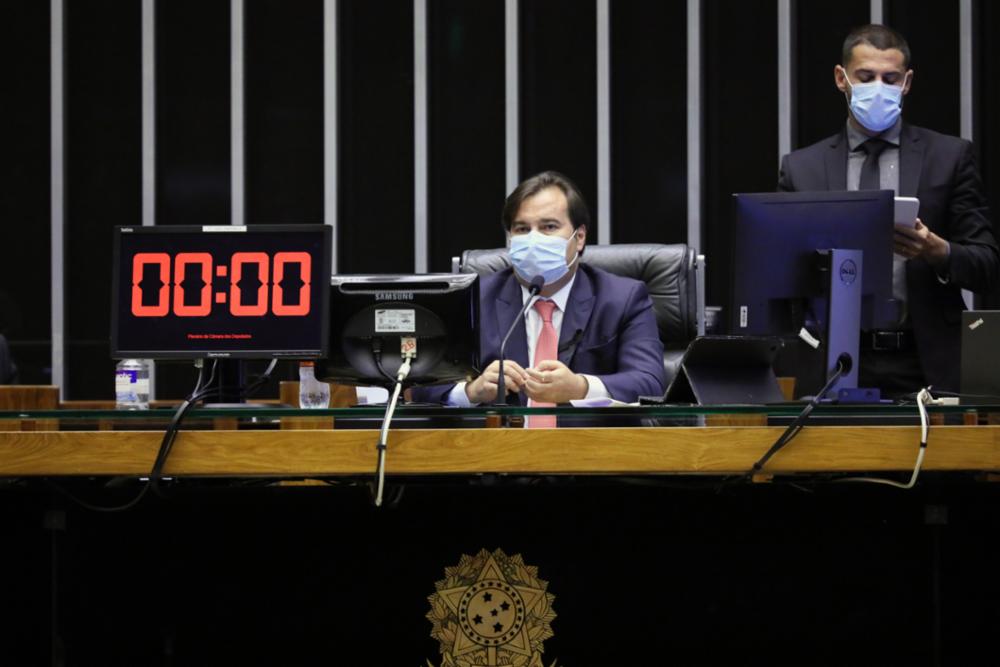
667, 270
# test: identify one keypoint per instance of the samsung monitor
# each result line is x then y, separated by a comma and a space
242, 292
786, 278
373, 316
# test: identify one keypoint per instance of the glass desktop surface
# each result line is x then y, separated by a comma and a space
274, 413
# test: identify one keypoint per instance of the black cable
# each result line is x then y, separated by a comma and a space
166, 444
377, 355
259, 381
843, 367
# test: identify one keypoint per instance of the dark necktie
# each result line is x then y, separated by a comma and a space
869, 170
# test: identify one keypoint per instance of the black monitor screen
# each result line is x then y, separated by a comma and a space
372, 317
258, 291
775, 239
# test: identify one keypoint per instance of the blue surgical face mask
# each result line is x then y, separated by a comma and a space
875, 105
537, 254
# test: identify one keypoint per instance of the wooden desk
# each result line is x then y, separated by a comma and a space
290, 453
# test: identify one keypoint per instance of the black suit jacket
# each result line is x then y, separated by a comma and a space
940, 171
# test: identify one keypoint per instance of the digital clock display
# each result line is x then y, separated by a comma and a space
246, 292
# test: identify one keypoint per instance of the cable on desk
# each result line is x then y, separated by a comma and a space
390, 408
377, 355
844, 364
199, 393
923, 399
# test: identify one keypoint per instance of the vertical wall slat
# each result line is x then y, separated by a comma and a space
786, 79
149, 133
420, 148
965, 57
604, 222
967, 94
695, 149
878, 11
58, 191
513, 87
330, 175
236, 146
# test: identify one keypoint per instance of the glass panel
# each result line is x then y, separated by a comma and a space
466, 135
103, 177
741, 122
649, 122
987, 109
265, 414
25, 297
559, 93
375, 41
192, 112
283, 70
931, 29
820, 29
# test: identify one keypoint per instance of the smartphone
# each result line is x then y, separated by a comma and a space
906, 211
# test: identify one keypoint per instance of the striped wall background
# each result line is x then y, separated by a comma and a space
403, 124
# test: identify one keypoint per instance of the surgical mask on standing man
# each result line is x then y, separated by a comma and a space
875, 105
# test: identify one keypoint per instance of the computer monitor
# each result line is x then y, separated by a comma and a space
370, 315
242, 292
783, 273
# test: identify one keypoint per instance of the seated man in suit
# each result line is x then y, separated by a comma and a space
952, 245
589, 334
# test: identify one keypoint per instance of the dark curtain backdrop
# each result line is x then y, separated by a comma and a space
283, 120
103, 124
25, 292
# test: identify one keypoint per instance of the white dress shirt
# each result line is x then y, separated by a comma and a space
888, 177
532, 328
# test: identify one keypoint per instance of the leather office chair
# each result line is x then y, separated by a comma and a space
673, 275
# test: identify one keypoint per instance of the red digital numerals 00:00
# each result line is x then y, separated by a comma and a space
236, 305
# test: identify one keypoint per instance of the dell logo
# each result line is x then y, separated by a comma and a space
848, 272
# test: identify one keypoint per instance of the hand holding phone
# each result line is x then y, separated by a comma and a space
906, 210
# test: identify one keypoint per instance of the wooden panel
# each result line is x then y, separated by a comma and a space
28, 397
536, 451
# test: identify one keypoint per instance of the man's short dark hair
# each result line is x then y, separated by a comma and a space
576, 206
880, 36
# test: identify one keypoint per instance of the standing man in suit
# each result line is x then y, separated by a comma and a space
951, 247
589, 334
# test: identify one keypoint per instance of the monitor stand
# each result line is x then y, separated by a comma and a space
229, 380
844, 280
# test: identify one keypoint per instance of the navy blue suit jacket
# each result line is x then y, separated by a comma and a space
940, 171
608, 330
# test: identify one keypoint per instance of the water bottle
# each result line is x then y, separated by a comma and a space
312, 392
132, 384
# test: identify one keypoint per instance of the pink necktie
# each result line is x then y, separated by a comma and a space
545, 350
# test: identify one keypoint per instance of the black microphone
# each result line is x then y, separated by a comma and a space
534, 288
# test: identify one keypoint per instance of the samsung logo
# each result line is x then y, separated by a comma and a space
394, 296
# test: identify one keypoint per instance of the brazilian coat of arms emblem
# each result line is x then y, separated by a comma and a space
491, 609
